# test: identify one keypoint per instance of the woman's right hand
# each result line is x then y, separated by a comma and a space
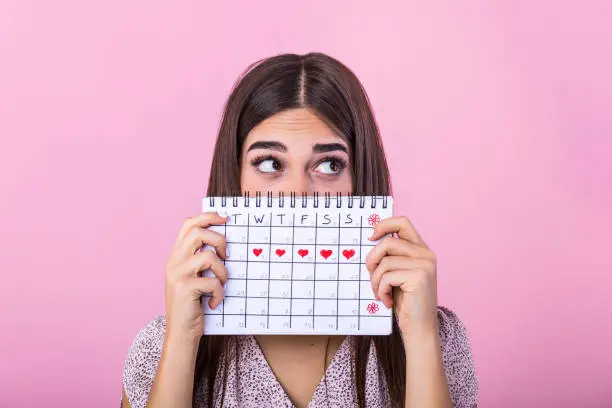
184, 281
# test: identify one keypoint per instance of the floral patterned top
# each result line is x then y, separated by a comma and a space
251, 382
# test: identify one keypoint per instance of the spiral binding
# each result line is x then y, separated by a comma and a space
246, 199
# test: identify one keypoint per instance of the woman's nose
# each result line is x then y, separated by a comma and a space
297, 183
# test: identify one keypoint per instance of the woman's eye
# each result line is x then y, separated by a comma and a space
328, 167
269, 166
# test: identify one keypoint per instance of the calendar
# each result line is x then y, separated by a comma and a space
296, 265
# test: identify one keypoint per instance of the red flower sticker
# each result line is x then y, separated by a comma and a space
372, 308
373, 219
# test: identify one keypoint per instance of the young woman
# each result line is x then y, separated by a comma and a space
301, 124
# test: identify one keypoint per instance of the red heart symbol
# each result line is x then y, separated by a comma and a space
348, 253
280, 252
326, 253
257, 251
303, 252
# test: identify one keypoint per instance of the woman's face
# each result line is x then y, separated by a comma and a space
295, 151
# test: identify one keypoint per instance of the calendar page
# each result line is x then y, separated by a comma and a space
296, 265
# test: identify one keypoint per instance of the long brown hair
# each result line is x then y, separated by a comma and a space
331, 90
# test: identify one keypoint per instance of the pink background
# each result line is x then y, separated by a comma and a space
496, 118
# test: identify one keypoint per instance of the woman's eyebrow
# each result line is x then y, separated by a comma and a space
271, 145
329, 147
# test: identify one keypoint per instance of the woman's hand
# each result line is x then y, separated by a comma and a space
403, 273
184, 283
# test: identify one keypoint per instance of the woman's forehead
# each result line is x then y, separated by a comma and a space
293, 120
297, 127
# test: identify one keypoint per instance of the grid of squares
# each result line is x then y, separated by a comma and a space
297, 273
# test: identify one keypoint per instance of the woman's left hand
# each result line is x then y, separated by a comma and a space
403, 273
